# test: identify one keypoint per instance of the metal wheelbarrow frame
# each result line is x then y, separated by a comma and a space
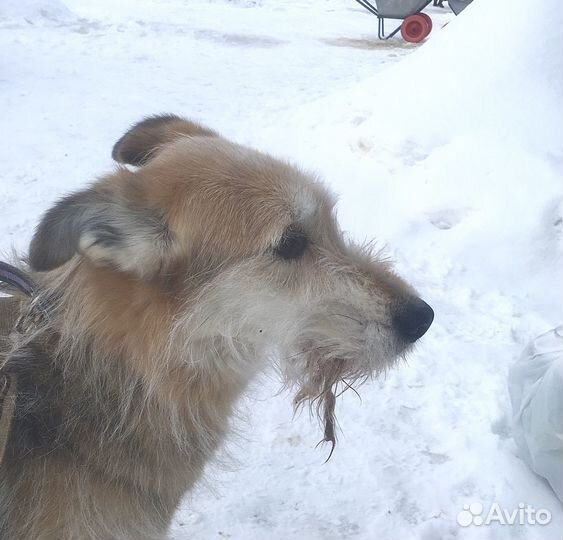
392, 9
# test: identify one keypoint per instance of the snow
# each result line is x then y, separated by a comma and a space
34, 11
450, 154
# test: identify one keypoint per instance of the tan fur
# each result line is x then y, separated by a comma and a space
166, 293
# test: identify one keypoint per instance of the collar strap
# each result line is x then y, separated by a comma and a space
16, 279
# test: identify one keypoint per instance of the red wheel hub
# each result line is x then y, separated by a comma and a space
416, 27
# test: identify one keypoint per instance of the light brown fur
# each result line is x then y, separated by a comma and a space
167, 288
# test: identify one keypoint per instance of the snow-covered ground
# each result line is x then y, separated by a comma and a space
451, 154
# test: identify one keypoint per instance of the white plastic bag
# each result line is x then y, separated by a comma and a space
535, 384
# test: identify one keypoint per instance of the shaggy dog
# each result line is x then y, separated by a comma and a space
161, 291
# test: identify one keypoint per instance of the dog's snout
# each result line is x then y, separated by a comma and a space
413, 320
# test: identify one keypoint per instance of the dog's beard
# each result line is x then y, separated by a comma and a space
319, 388
323, 372
322, 379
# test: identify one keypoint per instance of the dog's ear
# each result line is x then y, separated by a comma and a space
104, 228
143, 141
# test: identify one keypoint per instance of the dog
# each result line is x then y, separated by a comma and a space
161, 291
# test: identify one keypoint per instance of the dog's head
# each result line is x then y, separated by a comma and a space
249, 248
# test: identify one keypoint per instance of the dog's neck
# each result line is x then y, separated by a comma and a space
138, 388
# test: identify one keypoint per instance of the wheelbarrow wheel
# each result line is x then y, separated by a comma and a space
428, 20
415, 28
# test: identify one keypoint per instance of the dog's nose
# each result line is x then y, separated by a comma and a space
412, 320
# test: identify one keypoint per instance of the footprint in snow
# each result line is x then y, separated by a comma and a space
448, 218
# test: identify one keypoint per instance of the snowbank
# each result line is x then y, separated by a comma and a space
35, 11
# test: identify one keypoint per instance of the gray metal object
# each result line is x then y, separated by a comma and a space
392, 9
400, 9
457, 6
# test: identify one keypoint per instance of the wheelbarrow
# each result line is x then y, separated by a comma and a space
415, 26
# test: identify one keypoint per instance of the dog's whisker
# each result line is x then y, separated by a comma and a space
348, 387
348, 317
307, 351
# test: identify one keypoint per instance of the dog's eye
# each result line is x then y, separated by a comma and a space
292, 245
